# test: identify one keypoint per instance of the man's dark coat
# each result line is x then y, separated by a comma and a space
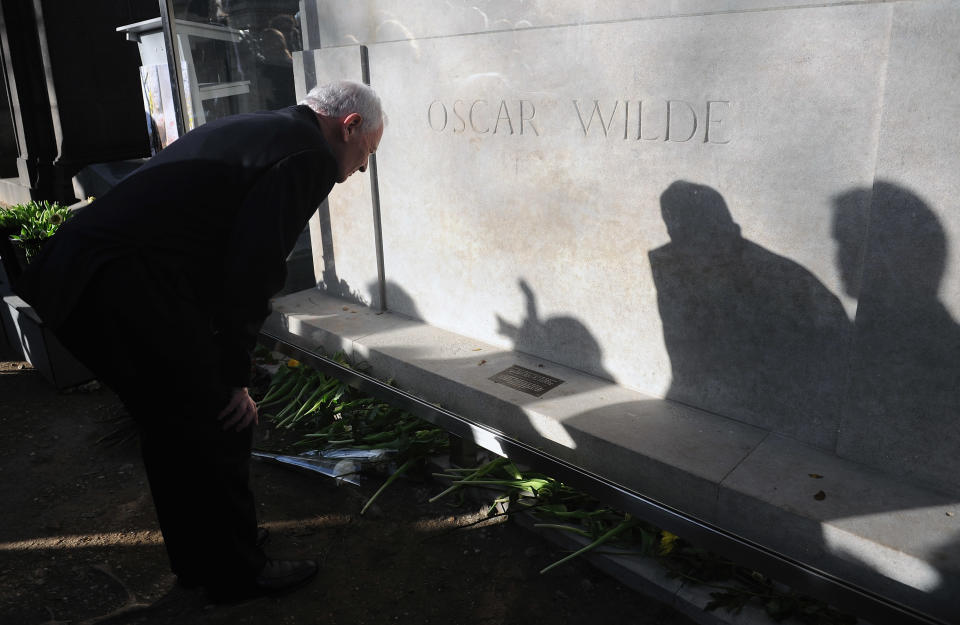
212, 217
160, 287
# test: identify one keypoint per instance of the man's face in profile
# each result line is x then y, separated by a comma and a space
358, 146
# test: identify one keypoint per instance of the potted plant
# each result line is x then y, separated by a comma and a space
24, 229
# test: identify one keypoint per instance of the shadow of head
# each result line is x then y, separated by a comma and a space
560, 338
696, 214
893, 234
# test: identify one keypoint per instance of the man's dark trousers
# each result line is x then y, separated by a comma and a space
198, 472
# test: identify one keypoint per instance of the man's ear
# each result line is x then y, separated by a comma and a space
351, 124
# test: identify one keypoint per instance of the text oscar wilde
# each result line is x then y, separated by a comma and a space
676, 121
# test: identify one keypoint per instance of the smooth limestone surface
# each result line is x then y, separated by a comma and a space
904, 401
745, 206
524, 200
350, 22
522, 183
859, 523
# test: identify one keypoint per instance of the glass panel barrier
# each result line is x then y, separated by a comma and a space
235, 57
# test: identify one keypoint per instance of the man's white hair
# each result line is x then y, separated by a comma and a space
342, 97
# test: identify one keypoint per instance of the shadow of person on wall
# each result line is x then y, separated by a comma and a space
905, 394
560, 339
750, 334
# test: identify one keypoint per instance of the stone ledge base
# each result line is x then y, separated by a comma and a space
875, 531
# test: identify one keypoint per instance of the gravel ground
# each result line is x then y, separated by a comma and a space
79, 542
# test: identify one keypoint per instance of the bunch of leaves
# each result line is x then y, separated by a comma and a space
560, 507
333, 415
737, 586
33, 223
299, 394
556, 505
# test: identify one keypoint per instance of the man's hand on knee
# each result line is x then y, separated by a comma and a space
241, 410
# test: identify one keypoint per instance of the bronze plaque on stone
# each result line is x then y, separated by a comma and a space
527, 380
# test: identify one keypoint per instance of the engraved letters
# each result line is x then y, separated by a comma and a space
503, 113
596, 112
473, 125
461, 122
716, 110
674, 121
533, 111
505, 117
678, 109
667, 120
432, 115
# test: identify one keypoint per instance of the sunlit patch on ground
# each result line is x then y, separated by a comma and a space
77, 541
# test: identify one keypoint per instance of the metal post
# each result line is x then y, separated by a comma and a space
168, 23
377, 232
375, 198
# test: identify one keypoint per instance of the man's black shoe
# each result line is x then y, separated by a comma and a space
277, 576
280, 575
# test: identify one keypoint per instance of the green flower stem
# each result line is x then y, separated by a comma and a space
566, 528
606, 537
478, 473
390, 480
